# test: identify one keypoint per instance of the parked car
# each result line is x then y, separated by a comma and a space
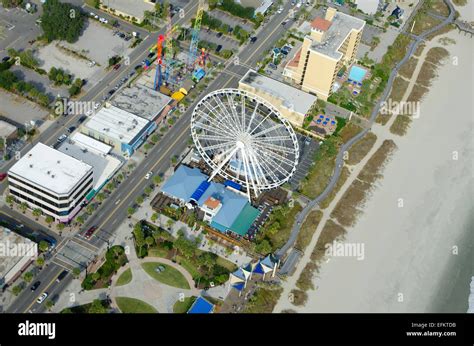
253, 39
71, 129
61, 276
62, 138
6, 59
116, 67
35, 285
3, 176
42, 298
219, 48
90, 232
219, 34
280, 10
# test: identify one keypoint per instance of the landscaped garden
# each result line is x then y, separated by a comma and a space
205, 267
114, 259
166, 274
125, 278
181, 307
134, 306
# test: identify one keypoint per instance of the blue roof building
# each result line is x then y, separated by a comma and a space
201, 306
232, 211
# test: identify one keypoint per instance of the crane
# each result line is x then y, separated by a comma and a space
195, 36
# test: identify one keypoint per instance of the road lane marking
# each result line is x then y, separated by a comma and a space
44, 290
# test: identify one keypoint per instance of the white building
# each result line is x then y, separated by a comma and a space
51, 181
16, 254
122, 130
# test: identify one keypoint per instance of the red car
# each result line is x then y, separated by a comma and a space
89, 232
116, 67
3, 176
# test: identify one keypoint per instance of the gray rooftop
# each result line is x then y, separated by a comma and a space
142, 101
341, 26
6, 129
135, 8
292, 98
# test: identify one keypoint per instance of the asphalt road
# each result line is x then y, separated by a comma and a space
114, 210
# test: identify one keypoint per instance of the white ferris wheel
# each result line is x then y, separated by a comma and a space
243, 138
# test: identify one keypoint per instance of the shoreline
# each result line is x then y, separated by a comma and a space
393, 268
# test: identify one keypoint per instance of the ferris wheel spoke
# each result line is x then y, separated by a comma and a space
276, 156
216, 120
274, 147
268, 130
269, 169
273, 138
225, 114
261, 122
231, 104
218, 146
257, 163
252, 116
276, 165
203, 126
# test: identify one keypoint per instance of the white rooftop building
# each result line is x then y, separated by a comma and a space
122, 130
52, 181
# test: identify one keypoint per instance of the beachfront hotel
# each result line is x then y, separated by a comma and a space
51, 181
332, 43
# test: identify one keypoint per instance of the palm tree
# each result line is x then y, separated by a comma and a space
23, 206
10, 200
37, 213
49, 220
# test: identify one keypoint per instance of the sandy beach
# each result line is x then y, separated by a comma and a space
418, 257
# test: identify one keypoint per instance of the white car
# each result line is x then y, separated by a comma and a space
97, 105
42, 298
89, 112
280, 10
148, 175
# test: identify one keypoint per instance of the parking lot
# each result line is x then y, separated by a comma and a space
308, 148
17, 29
99, 43
227, 42
19, 109
232, 21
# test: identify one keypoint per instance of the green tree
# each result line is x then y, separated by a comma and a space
130, 211
28, 276
100, 197
10, 200
264, 247
49, 220
76, 272
139, 235
61, 21
23, 206
96, 276
60, 226
154, 217
96, 307
80, 220
40, 261
157, 180
150, 241
139, 200
17, 289
148, 191
43, 246
37, 213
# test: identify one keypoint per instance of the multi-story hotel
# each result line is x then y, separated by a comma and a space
52, 181
332, 43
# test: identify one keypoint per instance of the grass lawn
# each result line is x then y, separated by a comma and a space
125, 278
170, 276
158, 252
183, 307
134, 306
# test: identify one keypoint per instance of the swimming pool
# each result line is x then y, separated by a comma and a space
357, 74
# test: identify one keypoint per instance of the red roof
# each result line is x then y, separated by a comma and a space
296, 60
321, 24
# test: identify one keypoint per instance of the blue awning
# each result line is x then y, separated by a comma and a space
201, 306
239, 286
200, 190
233, 184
